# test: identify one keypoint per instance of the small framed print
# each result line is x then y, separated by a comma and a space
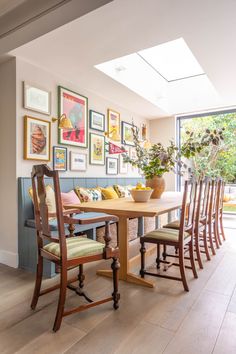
59, 158
111, 166
127, 133
143, 132
97, 149
78, 161
113, 124
37, 139
123, 166
96, 121
37, 99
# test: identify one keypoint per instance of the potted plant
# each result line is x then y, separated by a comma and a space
154, 161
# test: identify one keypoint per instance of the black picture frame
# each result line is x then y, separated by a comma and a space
123, 126
93, 126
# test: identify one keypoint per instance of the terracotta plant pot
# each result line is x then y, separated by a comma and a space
158, 186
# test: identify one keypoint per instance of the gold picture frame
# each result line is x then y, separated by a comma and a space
37, 139
113, 124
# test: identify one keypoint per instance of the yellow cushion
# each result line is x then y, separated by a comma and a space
109, 193
173, 225
165, 235
76, 247
50, 198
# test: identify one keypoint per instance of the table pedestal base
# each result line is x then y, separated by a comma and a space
130, 278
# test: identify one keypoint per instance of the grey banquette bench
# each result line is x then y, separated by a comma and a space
26, 231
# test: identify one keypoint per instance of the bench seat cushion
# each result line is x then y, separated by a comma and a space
53, 222
76, 247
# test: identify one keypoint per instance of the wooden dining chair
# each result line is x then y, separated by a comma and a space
67, 252
195, 199
211, 221
220, 210
181, 239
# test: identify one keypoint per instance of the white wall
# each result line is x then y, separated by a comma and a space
35, 75
163, 130
8, 183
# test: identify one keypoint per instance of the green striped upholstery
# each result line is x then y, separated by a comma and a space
165, 235
76, 247
173, 225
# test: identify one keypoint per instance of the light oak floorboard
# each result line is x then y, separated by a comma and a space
161, 320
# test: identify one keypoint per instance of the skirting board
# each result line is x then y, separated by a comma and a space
9, 258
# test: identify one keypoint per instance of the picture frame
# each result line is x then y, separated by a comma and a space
78, 161
133, 155
126, 133
37, 139
96, 149
113, 124
96, 121
36, 99
123, 167
111, 166
75, 107
59, 158
143, 132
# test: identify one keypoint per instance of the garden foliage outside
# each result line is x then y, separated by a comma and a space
225, 164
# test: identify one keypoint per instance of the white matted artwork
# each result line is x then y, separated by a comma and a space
123, 166
78, 161
133, 156
112, 166
37, 99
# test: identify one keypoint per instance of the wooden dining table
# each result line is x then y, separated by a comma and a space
126, 208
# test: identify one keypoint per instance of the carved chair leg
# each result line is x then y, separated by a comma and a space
211, 240
142, 253
38, 282
222, 227
206, 245
115, 266
216, 235
62, 299
197, 247
164, 254
182, 269
158, 256
81, 276
192, 261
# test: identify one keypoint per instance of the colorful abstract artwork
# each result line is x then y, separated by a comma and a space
59, 158
75, 107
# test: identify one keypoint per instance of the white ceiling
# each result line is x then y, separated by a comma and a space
127, 26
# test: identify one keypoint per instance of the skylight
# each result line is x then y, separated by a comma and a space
172, 60
168, 75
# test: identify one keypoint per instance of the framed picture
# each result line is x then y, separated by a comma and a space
59, 158
37, 139
127, 134
113, 124
37, 99
75, 107
133, 155
78, 161
96, 121
123, 166
97, 149
143, 132
111, 166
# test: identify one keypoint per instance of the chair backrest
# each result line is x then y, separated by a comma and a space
40, 206
188, 209
199, 204
205, 198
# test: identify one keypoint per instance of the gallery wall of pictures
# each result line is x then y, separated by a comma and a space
84, 148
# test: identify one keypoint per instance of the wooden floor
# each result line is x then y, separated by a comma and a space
160, 320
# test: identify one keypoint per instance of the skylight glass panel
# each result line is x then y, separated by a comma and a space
172, 60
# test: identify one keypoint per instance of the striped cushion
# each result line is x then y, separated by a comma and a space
173, 225
76, 247
165, 235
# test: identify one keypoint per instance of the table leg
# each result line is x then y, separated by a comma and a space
124, 273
